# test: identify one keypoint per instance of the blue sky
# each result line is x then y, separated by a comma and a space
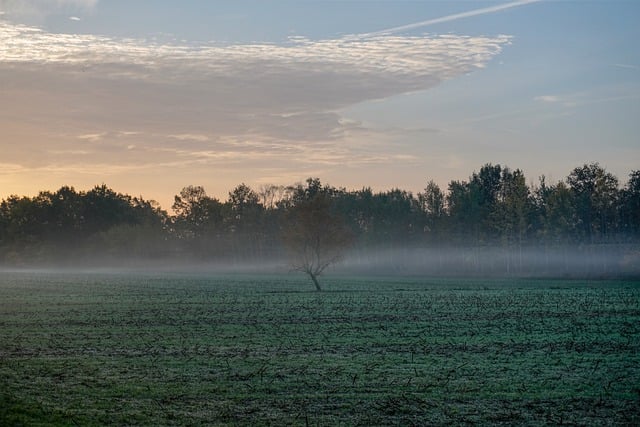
149, 97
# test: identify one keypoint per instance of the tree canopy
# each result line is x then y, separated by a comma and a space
589, 212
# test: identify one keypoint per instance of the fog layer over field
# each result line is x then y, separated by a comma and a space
597, 261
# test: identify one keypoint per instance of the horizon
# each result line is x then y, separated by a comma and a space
224, 197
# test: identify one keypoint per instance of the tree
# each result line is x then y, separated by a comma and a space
146, 238
244, 222
196, 213
630, 206
396, 218
557, 210
270, 195
315, 236
199, 222
595, 193
24, 226
245, 207
512, 211
67, 213
432, 202
463, 207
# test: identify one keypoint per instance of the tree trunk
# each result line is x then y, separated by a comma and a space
315, 281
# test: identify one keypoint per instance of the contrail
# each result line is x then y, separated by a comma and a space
448, 18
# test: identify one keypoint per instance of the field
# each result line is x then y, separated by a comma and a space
176, 349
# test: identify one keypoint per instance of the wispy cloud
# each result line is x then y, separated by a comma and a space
591, 97
566, 100
92, 137
627, 66
38, 9
190, 137
449, 18
548, 98
10, 6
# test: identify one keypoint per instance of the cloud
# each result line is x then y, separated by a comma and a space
293, 92
11, 169
567, 101
198, 108
440, 56
92, 137
11, 6
299, 81
591, 97
548, 98
190, 137
449, 18
627, 66
36, 10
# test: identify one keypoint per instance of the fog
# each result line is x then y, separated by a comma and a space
572, 262
590, 262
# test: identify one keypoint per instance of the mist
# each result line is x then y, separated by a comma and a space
577, 262
616, 261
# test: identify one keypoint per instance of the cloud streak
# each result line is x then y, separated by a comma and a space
548, 98
449, 18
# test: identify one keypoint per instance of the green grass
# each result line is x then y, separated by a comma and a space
96, 349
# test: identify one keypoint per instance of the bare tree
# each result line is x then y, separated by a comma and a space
270, 195
315, 236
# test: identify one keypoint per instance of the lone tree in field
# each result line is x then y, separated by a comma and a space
315, 236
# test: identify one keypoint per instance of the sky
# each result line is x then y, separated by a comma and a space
149, 97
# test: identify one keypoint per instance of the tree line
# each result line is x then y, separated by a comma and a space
589, 212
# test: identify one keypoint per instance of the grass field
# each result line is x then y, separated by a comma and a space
124, 349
